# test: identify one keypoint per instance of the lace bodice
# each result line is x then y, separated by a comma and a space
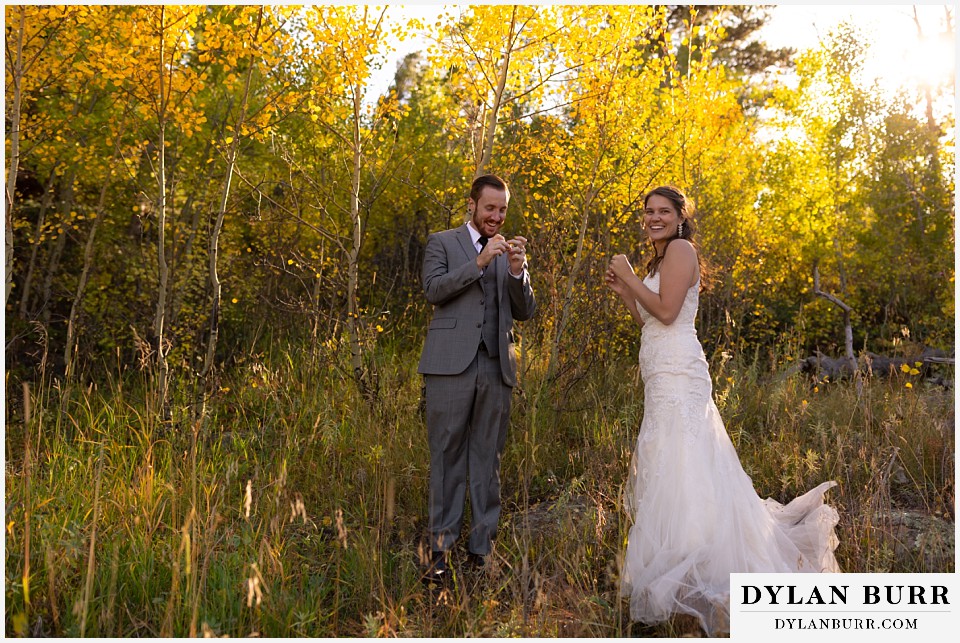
672, 349
684, 321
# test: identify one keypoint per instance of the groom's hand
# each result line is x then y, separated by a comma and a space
518, 255
496, 246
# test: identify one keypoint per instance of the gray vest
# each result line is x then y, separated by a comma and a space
491, 315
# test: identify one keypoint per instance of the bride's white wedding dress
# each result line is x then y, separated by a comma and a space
696, 515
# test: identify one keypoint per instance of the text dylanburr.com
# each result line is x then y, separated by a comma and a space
847, 607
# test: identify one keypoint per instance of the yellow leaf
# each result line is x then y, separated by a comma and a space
19, 622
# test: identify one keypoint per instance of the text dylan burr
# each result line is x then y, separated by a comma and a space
837, 595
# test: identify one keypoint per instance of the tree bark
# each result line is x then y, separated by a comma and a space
68, 350
492, 115
17, 74
214, 253
14, 117
847, 327
353, 321
162, 270
592, 191
932, 125
66, 205
189, 209
572, 277
38, 230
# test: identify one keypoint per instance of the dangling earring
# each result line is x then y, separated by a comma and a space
680, 229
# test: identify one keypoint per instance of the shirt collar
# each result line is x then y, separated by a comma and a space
474, 234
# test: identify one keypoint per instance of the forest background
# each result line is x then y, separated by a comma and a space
214, 232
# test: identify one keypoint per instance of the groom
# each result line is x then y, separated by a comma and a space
478, 284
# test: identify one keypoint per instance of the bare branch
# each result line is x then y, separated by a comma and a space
826, 295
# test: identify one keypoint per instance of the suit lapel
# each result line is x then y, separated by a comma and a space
463, 235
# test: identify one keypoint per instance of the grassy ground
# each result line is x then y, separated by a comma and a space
297, 508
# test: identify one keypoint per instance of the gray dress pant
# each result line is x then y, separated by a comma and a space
467, 417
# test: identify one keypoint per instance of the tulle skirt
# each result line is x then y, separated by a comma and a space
697, 518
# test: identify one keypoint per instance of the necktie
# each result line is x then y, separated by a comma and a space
483, 243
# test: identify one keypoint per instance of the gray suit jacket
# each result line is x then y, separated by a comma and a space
451, 282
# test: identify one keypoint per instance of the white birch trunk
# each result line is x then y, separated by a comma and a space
214, 254
14, 116
163, 272
494, 111
353, 268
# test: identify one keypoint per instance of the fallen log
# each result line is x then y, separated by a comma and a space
821, 366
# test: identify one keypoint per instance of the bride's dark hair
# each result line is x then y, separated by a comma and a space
684, 207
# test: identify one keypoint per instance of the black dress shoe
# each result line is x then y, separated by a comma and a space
438, 571
477, 561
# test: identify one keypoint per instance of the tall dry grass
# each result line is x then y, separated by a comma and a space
292, 506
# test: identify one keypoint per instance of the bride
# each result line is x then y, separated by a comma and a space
696, 517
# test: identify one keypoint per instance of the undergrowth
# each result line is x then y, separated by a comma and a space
285, 503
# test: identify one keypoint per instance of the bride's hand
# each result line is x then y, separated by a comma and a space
620, 266
614, 283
